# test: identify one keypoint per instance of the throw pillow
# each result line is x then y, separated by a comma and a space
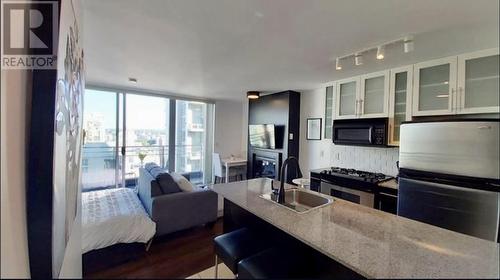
182, 182
167, 183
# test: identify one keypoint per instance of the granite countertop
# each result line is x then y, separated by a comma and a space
392, 184
372, 243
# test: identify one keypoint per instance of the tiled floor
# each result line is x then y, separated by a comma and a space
224, 273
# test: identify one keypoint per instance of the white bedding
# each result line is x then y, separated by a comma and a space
114, 216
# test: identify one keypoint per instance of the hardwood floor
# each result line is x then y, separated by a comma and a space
177, 255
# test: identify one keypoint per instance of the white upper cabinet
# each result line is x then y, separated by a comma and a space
478, 80
374, 95
434, 87
400, 99
329, 95
365, 96
347, 105
464, 84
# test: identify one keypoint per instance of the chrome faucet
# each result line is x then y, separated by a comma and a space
284, 176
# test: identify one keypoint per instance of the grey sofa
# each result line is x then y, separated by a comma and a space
176, 210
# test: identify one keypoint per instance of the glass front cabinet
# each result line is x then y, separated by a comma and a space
346, 105
400, 93
374, 95
434, 87
478, 80
328, 111
464, 84
365, 96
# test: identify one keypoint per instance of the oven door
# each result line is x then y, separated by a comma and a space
352, 195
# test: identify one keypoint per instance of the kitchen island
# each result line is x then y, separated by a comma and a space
371, 243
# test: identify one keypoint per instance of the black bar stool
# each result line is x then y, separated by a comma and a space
275, 263
234, 246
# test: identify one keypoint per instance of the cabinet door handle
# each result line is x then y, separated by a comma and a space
453, 100
356, 108
460, 93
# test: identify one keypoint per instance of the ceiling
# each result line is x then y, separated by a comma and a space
219, 49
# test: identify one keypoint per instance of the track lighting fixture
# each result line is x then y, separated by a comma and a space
408, 46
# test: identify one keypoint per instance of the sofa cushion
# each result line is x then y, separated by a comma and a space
167, 183
182, 182
155, 189
156, 171
150, 165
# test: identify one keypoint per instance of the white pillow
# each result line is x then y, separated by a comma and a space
182, 182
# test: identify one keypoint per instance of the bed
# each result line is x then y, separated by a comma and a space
114, 216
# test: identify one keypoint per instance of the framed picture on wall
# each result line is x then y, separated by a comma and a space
313, 129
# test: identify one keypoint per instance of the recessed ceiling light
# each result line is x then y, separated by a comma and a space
253, 94
132, 80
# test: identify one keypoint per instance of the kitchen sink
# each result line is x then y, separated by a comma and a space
300, 200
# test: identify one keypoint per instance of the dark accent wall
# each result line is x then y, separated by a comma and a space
282, 109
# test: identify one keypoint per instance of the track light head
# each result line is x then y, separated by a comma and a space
408, 45
380, 52
358, 59
338, 64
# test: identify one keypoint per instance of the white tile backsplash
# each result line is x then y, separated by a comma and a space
381, 160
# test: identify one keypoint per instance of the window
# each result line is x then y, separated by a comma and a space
192, 136
99, 151
123, 131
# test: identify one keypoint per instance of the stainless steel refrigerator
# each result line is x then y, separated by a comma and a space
449, 175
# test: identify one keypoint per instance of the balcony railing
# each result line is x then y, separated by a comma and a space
102, 167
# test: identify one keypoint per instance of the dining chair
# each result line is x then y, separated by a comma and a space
220, 170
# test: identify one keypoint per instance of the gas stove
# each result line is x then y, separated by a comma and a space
354, 174
356, 186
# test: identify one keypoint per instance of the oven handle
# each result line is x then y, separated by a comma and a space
335, 187
343, 189
332, 186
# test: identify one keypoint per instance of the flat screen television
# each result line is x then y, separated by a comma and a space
262, 136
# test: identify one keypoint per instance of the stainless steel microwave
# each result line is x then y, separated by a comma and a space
360, 132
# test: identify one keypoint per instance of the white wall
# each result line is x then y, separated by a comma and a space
315, 154
14, 243
230, 131
229, 135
